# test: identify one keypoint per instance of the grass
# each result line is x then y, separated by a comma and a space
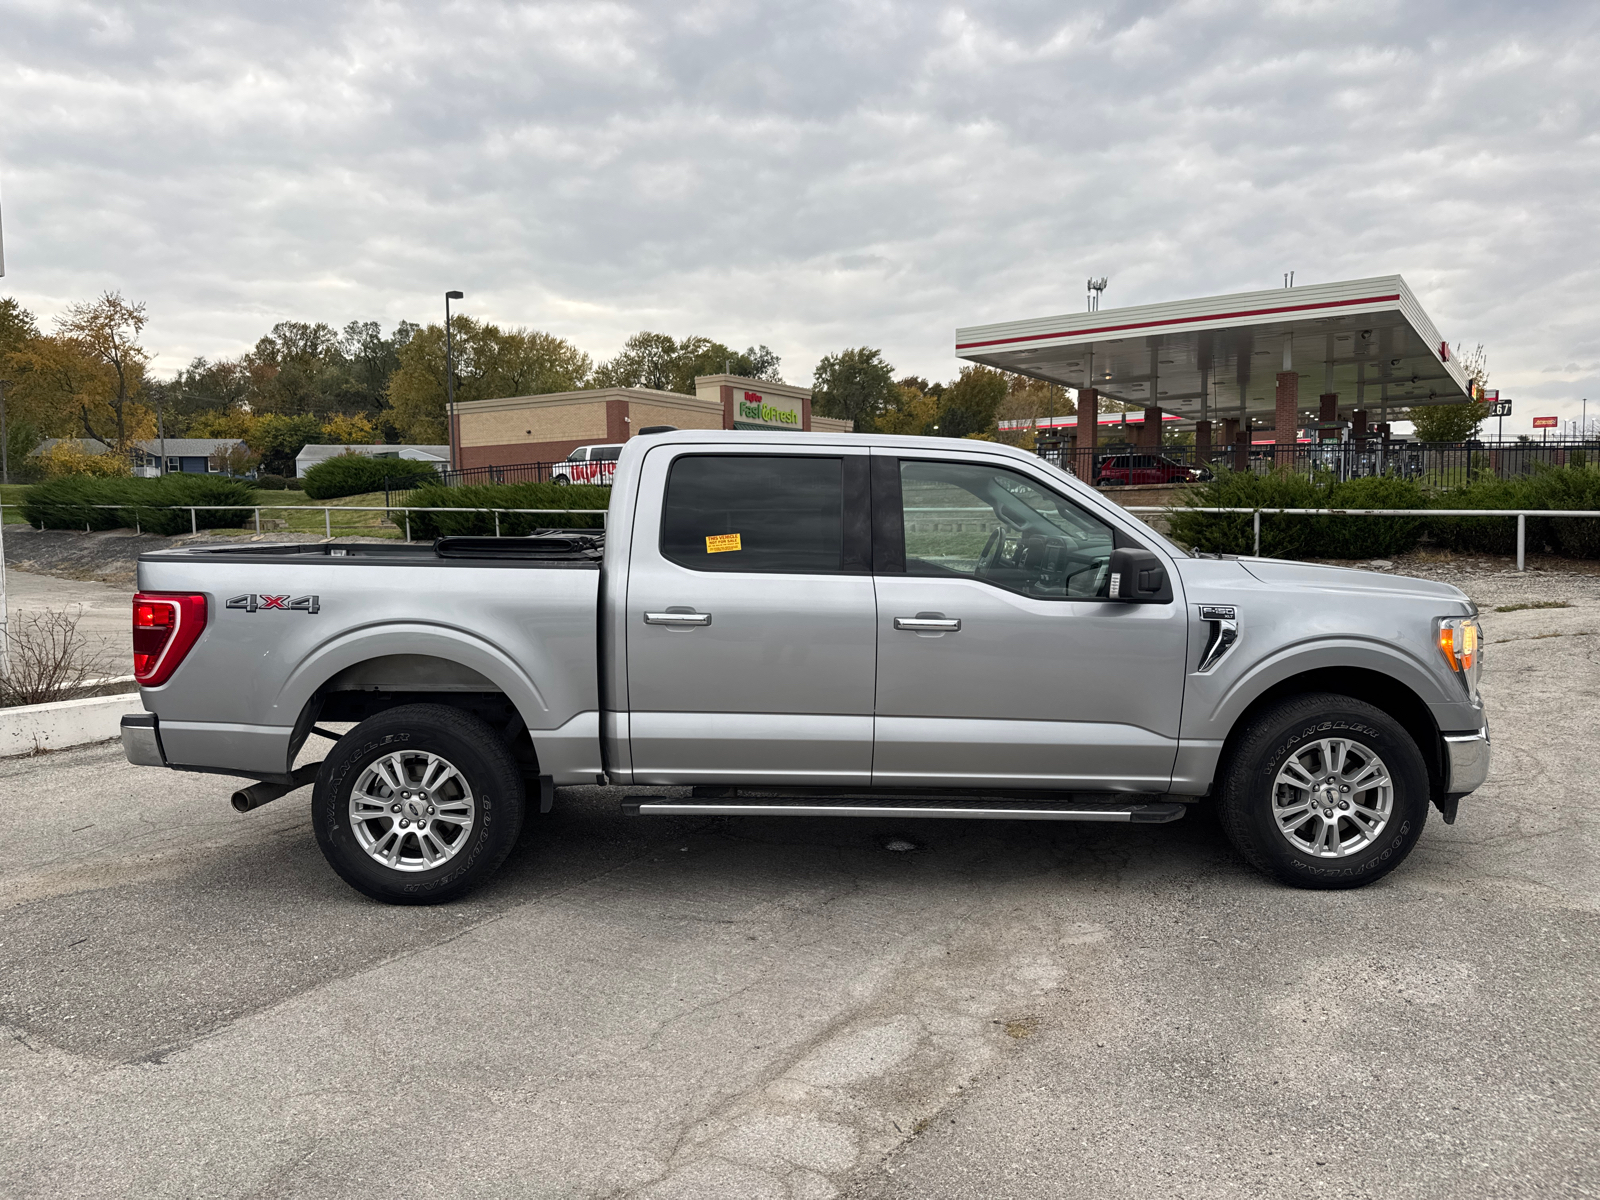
350, 524
1532, 604
11, 493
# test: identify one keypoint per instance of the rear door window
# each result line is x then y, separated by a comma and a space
605, 453
770, 513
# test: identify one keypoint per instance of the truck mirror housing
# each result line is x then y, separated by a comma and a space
1139, 577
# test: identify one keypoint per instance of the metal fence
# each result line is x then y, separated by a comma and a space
1432, 464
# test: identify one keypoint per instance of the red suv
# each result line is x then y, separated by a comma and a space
1145, 469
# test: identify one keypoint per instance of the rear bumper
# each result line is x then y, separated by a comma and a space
141, 740
1466, 761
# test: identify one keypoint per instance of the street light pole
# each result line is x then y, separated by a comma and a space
450, 377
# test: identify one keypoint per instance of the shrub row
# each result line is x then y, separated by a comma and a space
505, 495
72, 502
1383, 537
355, 474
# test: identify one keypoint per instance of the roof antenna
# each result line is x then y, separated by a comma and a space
1288, 279
1096, 286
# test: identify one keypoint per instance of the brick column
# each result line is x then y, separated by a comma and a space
1088, 434
1202, 442
1330, 406
1150, 431
1239, 439
1288, 415
1358, 427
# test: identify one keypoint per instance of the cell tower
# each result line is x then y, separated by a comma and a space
1096, 286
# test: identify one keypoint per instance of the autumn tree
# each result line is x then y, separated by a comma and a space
107, 330
853, 385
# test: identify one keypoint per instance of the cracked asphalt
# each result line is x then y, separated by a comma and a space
193, 1005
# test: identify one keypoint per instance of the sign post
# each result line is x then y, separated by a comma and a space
1546, 424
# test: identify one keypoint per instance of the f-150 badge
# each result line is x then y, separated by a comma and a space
254, 602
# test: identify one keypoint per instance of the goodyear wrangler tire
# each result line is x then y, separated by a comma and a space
1324, 791
418, 805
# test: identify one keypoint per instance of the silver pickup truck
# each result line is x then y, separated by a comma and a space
817, 625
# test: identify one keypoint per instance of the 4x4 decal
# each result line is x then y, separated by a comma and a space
253, 602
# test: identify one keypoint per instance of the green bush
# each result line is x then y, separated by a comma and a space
72, 502
505, 495
1569, 487
1486, 535
355, 474
1299, 537
294, 484
270, 483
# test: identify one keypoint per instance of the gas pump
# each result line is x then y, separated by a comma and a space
1330, 441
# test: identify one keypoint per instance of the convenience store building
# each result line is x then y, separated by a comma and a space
530, 429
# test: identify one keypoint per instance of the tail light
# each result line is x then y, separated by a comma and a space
166, 626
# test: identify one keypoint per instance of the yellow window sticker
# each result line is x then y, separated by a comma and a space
718, 543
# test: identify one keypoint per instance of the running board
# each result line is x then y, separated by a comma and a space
1158, 813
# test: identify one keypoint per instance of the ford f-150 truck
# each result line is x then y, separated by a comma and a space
814, 625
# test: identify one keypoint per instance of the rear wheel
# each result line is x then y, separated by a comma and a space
1324, 791
418, 805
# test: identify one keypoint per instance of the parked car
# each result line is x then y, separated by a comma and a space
589, 464
1146, 469
833, 626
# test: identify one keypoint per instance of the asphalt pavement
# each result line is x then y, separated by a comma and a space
194, 1005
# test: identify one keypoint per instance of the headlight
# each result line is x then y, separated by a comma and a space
1461, 643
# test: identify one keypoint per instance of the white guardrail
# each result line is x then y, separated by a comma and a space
1521, 514
327, 511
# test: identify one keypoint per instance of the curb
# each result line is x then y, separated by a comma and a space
31, 728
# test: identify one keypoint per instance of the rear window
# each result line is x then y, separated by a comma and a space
728, 512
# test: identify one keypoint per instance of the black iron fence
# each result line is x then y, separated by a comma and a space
1432, 464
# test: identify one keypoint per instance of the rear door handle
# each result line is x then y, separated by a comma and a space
677, 618
928, 624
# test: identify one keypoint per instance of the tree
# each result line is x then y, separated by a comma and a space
853, 385
277, 438
342, 430
1456, 422
970, 404
17, 329
489, 363
910, 410
656, 360
108, 330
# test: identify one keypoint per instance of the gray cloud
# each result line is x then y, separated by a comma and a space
806, 175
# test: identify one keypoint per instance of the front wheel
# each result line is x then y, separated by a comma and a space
1324, 791
418, 805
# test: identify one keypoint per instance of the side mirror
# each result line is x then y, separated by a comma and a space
1139, 577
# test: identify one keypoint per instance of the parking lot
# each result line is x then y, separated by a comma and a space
194, 1005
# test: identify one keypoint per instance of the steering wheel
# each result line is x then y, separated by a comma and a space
986, 557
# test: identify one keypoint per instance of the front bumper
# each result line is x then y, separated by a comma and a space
1466, 761
141, 742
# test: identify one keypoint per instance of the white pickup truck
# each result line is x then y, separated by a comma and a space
814, 625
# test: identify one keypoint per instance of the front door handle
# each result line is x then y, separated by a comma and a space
929, 624
677, 618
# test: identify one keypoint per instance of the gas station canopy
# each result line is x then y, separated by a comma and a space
1367, 341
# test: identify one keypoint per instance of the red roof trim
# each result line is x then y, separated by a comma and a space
1252, 312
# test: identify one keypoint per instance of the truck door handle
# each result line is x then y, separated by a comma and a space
929, 624
677, 618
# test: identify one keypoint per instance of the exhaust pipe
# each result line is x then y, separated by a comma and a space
258, 794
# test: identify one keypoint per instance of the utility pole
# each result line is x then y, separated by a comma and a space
450, 378
5, 444
161, 434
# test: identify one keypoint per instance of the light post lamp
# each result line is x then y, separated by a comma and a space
450, 376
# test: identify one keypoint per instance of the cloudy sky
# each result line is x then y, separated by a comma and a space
805, 175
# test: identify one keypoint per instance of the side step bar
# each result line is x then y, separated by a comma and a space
1157, 813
